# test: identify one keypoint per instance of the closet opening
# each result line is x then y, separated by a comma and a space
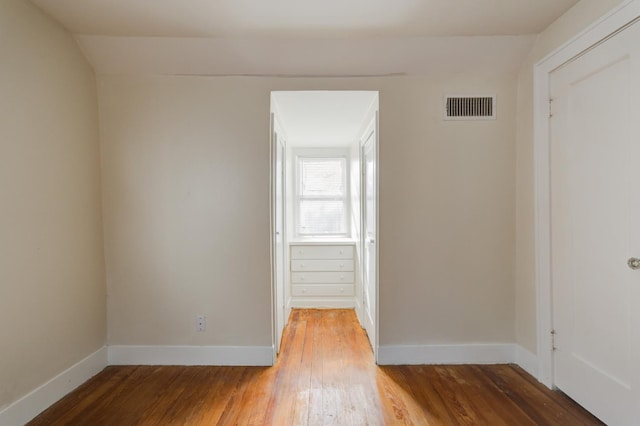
324, 204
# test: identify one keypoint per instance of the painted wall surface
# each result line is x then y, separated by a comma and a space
186, 204
185, 165
52, 286
446, 215
561, 31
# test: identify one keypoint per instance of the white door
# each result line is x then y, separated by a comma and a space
595, 213
369, 225
278, 237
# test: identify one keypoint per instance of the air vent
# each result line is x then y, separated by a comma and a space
470, 108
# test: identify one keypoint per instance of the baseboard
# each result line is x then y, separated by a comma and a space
191, 355
527, 361
368, 323
447, 354
41, 398
323, 303
359, 312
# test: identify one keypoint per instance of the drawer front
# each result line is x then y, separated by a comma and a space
322, 252
321, 277
323, 290
322, 265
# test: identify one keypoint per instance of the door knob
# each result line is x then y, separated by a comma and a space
634, 263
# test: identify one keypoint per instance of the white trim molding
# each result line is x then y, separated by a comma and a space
191, 355
526, 360
41, 398
492, 353
618, 18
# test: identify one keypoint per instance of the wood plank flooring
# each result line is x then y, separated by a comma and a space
325, 375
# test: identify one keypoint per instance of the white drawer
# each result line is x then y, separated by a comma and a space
322, 252
322, 277
322, 265
323, 290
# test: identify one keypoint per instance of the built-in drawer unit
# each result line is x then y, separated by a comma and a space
322, 270
327, 277
321, 252
321, 290
322, 265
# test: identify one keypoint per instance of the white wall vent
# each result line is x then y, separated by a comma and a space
470, 107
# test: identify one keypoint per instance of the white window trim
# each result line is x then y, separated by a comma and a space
320, 153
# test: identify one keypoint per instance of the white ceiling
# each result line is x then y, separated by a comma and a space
304, 37
305, 18
320, 119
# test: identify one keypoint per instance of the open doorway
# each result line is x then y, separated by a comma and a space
324, 148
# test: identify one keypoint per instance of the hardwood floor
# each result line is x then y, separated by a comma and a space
325, 375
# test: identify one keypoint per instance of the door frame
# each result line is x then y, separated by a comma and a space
276, 290
602, 29
374, 128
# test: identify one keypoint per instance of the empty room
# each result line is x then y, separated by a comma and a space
339, 212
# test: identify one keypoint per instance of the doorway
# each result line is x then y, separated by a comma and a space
588, 280
594, 215
324, 204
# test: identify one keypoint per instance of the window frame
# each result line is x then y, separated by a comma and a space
320, 153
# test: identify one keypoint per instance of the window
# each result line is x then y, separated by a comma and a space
321, 195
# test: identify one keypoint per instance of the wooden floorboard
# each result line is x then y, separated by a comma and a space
324, 375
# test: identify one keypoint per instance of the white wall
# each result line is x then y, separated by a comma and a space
186, 170
561, 31
446, 241
186, 205
52, 287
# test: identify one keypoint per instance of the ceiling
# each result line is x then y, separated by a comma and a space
319, 119
304, 37
305, 18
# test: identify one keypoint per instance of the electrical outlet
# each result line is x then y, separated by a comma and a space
201, 323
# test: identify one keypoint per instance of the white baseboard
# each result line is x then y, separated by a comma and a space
323, 303
359, 312
41, 398
191, 355
447, 354
29, 406
527, 361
